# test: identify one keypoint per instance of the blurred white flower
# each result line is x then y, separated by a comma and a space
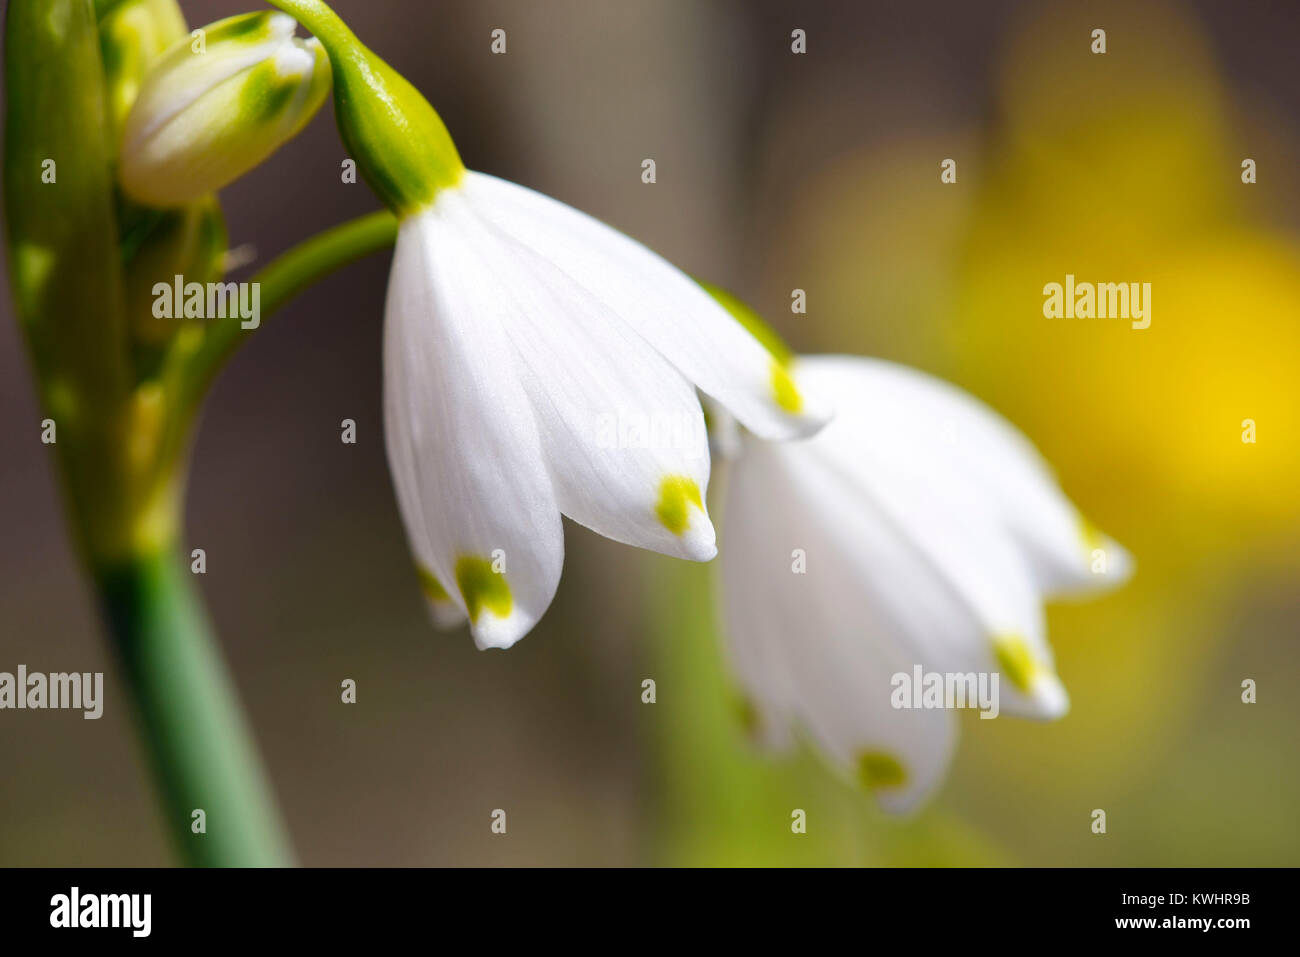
929, 531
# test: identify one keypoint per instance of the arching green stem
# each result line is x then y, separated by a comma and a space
281, 280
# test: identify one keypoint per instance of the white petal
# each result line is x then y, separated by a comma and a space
664, 306
935, 429
164, 96
621, 429
813, 649
944, 571
463, 446
942, 577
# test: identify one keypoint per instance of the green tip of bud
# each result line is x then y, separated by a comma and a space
399, 142
218, 104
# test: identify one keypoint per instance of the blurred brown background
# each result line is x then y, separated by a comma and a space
775, 171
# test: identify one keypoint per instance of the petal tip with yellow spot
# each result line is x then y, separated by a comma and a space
1031, 677
443, 610
880, 771
488, 602
680, 509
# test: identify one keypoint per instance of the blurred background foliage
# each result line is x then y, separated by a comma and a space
775, 172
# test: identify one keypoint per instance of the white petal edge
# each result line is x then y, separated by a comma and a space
803, 645
463, 447
660, 302
932, 427
621, 430
942, 576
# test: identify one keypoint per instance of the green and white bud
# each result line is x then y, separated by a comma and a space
399, 142
216, 106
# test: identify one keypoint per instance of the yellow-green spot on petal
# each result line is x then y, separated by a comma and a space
482, 587
677, 494
1090, 535
430, 585
785, 391
746, 713
878, 770
1015, 660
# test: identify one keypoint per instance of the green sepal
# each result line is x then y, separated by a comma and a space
401, 147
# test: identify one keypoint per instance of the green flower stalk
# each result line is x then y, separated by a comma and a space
400, 144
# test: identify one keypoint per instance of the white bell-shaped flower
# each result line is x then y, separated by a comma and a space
538, 363
917, 533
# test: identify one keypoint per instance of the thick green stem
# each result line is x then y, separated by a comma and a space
202, 752
201, 749
315, 258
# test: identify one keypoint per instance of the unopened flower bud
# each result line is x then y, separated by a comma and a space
215, 107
